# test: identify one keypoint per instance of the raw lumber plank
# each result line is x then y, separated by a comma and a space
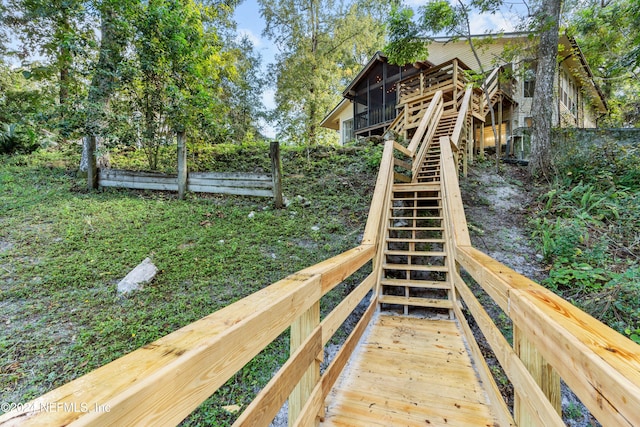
416, 267
416, 301
396, 383
267, 403
166, 380
426, 284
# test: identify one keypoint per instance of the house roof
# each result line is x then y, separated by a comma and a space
378, 57
332, 120
578, 63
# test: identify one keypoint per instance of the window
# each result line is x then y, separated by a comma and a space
347, 131
529, 79
568, 93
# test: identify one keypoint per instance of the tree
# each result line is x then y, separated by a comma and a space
608, 36
408, 41
115, 32
547, 18
318, 42
59, 30
245, 93
177, 72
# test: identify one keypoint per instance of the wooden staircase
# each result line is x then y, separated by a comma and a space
415, 273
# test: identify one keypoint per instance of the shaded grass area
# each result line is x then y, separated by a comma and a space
63, 250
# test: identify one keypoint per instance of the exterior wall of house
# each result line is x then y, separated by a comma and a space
489, 54
346, 124
572, 108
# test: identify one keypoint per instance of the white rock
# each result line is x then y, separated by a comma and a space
315, 228
251, 214
143, 273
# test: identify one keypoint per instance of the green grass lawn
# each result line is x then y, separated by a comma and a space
63, 250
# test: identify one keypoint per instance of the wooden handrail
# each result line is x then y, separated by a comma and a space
427, 120
601, 366
462, 116
380, 193
167, 379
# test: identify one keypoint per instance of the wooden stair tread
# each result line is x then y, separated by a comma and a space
433, 199
425, 284
414, 253
410, 218
415, 187
416, 228
409, 240
415, 267
416, 301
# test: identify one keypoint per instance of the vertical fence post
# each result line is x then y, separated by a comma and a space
182, 164
92, 168
543, 373
481, 142
276, 173
300, 330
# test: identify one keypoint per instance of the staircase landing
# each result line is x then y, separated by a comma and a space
409, 371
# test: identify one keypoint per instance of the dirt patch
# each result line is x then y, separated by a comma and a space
496, 206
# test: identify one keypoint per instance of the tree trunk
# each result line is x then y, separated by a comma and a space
102, 84
541, 162
313, 110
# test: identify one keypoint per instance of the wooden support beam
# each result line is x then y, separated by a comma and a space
300, 330
543, 374
499, 141
481, 141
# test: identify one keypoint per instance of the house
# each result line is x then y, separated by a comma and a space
370, 102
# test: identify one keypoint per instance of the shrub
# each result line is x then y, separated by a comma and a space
14, 139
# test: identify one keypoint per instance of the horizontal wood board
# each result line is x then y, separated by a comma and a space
237, 183
409, 371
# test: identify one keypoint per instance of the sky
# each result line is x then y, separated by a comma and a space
250, 23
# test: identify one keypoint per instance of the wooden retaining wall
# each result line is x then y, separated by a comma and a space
244, 184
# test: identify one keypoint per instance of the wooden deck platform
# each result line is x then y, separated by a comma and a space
409, 371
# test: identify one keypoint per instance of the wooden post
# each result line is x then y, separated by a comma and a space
455, 86
470, 139
92, 168
300, 330
182, 164
543, 373
276, 173
481, 142
499, 141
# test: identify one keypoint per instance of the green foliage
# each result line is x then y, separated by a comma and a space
438, 16
607, 33
62, 250
406, 44
588, 226
322, 44
15, 140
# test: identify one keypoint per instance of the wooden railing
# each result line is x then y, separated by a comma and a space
552, 339
163, 382
447, 77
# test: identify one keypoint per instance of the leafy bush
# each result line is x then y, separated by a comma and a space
587, 229
14, 139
